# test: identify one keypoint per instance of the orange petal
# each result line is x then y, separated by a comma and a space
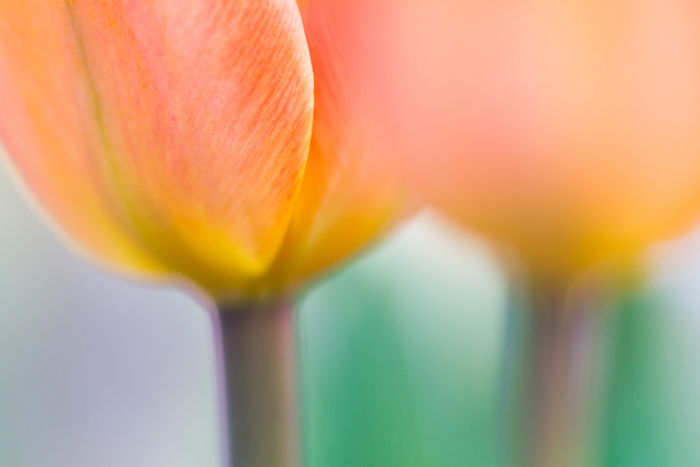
180, 127
349, 195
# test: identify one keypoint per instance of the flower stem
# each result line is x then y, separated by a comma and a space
558, 390
556, 397
258, 379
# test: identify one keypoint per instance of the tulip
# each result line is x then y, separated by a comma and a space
221, 144
565, 132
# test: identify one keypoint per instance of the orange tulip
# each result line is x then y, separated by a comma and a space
225, 142
180, 138
569, 131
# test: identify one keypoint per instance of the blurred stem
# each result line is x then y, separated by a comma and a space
258, 380
558, 352
556, 399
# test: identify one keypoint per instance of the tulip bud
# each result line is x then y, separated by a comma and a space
174, 139
567, 130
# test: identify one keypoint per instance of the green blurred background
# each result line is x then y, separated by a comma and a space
401, 357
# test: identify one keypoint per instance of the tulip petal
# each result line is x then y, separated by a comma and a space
349, 195
182, 127
46, 128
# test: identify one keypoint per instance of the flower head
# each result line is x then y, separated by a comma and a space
184, 139
567, 130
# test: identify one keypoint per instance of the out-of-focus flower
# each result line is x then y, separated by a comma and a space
183, 138
567, 130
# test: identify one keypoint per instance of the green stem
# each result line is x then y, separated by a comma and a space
556, 386
258, 373
557, 394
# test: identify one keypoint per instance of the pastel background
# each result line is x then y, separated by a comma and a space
401, 359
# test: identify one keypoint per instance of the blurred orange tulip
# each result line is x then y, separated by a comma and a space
183, 138
569, 131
